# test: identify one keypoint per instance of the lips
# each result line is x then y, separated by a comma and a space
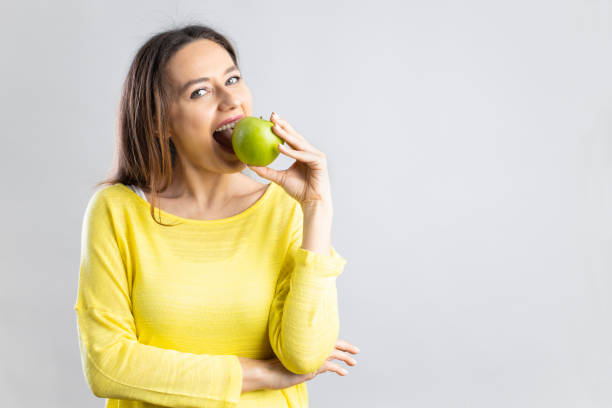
229, 120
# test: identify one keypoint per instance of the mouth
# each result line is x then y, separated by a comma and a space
224, 146
223, 136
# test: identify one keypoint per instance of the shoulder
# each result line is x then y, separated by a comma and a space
281, 197
271, 192
107, 200
109, 194
287, 209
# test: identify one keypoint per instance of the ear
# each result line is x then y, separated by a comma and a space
156, 133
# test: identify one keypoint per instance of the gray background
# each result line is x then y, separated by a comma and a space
471, 166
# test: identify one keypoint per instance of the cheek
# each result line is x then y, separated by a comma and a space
192, 122
248, 108
247, 101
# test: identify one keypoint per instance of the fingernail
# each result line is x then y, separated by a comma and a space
274, 115
357, 349
343, 371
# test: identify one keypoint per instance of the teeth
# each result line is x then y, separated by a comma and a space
227, 126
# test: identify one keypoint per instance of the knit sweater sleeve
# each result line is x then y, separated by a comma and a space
116, 365
303, 321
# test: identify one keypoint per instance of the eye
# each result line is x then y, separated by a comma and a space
203, 91
197, 93
237, 77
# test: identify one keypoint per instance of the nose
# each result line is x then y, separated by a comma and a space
228, 100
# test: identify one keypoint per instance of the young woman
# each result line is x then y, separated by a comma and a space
198, 286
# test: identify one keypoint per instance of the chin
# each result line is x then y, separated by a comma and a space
235, 167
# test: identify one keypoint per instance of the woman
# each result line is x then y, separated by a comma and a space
233, 303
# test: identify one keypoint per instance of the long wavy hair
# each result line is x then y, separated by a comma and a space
144, 153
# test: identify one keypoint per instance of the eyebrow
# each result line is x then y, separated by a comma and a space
204, 79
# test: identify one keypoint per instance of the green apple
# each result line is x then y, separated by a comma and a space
254, 142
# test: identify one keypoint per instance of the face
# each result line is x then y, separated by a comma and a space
206, 89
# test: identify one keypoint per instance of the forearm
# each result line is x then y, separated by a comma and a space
317, 227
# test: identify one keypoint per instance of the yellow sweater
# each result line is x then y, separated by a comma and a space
164, 312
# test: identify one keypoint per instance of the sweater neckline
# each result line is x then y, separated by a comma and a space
260, 201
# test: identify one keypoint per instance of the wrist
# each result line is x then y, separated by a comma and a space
316, 233
317, 207
252, 374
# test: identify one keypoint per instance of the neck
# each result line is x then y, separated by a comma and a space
204, 189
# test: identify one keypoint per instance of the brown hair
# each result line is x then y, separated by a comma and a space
144, 154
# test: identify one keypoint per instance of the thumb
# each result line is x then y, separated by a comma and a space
267, 173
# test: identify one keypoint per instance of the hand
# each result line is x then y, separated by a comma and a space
276, 376
307, 180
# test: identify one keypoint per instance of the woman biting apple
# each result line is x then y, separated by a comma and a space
199, 286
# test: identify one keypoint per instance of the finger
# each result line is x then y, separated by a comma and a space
292, 139
346, 346
275, 118
341, 355
329, 366
268, 173
303, 156
282, 125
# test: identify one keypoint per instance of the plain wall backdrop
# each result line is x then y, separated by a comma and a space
470, 155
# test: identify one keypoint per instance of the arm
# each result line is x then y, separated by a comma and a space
115, 363
303, 323
317, 228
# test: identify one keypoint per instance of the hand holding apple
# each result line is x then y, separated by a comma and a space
307, 180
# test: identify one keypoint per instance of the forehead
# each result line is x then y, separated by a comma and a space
199, 58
